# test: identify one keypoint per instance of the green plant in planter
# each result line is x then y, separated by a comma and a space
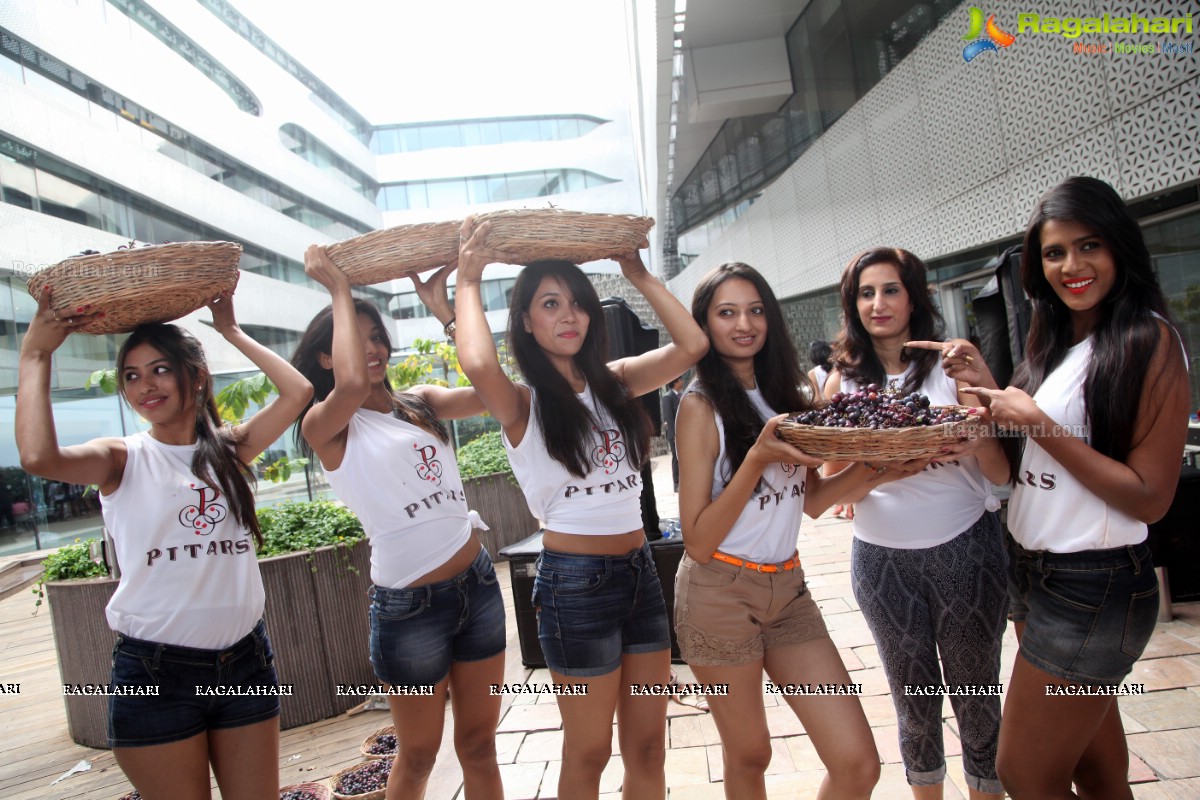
65, 563
484, 455
305, 525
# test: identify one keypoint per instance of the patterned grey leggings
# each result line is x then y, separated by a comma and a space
951, 599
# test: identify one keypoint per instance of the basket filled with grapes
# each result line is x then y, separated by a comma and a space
365, 781
380, 744
879, 425
305, 791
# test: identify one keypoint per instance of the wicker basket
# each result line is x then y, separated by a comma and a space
365, 747
886, 444
396, 252
534, 234
376, 795
319, 790
132, 287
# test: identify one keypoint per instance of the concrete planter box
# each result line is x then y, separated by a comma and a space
317, 622
502, 506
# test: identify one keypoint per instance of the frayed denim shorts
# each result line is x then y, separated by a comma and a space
418, 632
182, 708
594, 609
1088, 615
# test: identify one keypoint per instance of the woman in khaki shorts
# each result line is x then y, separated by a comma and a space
742, 606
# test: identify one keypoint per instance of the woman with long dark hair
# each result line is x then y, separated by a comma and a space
741, 603
437, 617
576, 436
177, 502
1102, 402
927, 561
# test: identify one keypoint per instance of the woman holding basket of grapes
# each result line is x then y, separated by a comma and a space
927, 562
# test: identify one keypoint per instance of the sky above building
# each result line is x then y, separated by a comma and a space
411, 61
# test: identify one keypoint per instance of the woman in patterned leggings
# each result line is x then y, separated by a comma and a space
928, 559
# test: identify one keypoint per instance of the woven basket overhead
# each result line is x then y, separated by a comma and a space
318, 790
885, 444
132, 287
396, 252
534, 234
365, 747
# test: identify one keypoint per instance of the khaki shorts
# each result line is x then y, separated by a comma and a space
728, 615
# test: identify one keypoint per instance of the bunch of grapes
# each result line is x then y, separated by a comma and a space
876, 408
134, 795
384, 745
298, 794
369, 777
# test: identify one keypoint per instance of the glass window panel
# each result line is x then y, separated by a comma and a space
547, 130
570, 128
64, 200
19, 182
471, 134
417, 196
836, 90
477, 190
490, 132
440, 136
447, 194
519, 130
525, 185
498, 188
576, 182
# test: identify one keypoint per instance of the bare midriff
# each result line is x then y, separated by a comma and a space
615, 544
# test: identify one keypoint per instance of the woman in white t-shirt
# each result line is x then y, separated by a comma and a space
437, 616
927, 561
177, 502
1101, 401
742, 606
576, 436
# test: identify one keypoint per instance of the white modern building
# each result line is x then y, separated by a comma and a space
792, 134
174, 120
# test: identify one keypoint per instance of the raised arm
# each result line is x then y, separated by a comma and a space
706, 522
257, 433
100, 461
1144, 484
326, 420
648, 371
506, 401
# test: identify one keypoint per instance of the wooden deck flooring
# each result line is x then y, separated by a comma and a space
35, 747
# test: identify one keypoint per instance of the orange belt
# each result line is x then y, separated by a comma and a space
784, 566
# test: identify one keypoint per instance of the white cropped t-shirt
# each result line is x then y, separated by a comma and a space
189, 571
605, 501
403, 484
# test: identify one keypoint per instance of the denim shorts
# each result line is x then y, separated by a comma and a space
417, 632
594, 609
179, 711
1087, 615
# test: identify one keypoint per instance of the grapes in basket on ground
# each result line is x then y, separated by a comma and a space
383, 745
369, 777
875, 408
298, 794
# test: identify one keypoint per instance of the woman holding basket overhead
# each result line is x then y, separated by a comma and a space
1102, 402
178, 504
437, 617
576, 436
927, 561
742, 605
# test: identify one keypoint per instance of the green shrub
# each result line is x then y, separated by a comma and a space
301, 525
65, 563
483, 455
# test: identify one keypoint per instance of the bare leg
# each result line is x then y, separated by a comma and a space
836, 724
419, 724
742, 722
642, 725
587, 733
175, 771
246, 760
476, 715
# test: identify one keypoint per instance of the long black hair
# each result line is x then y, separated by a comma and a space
1125, 334
318, 340
216, 461
570, 439
776, 366
854, 352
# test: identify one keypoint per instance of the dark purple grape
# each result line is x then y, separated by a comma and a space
383, 745
367, 777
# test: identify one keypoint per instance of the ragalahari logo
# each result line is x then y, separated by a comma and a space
984, 36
